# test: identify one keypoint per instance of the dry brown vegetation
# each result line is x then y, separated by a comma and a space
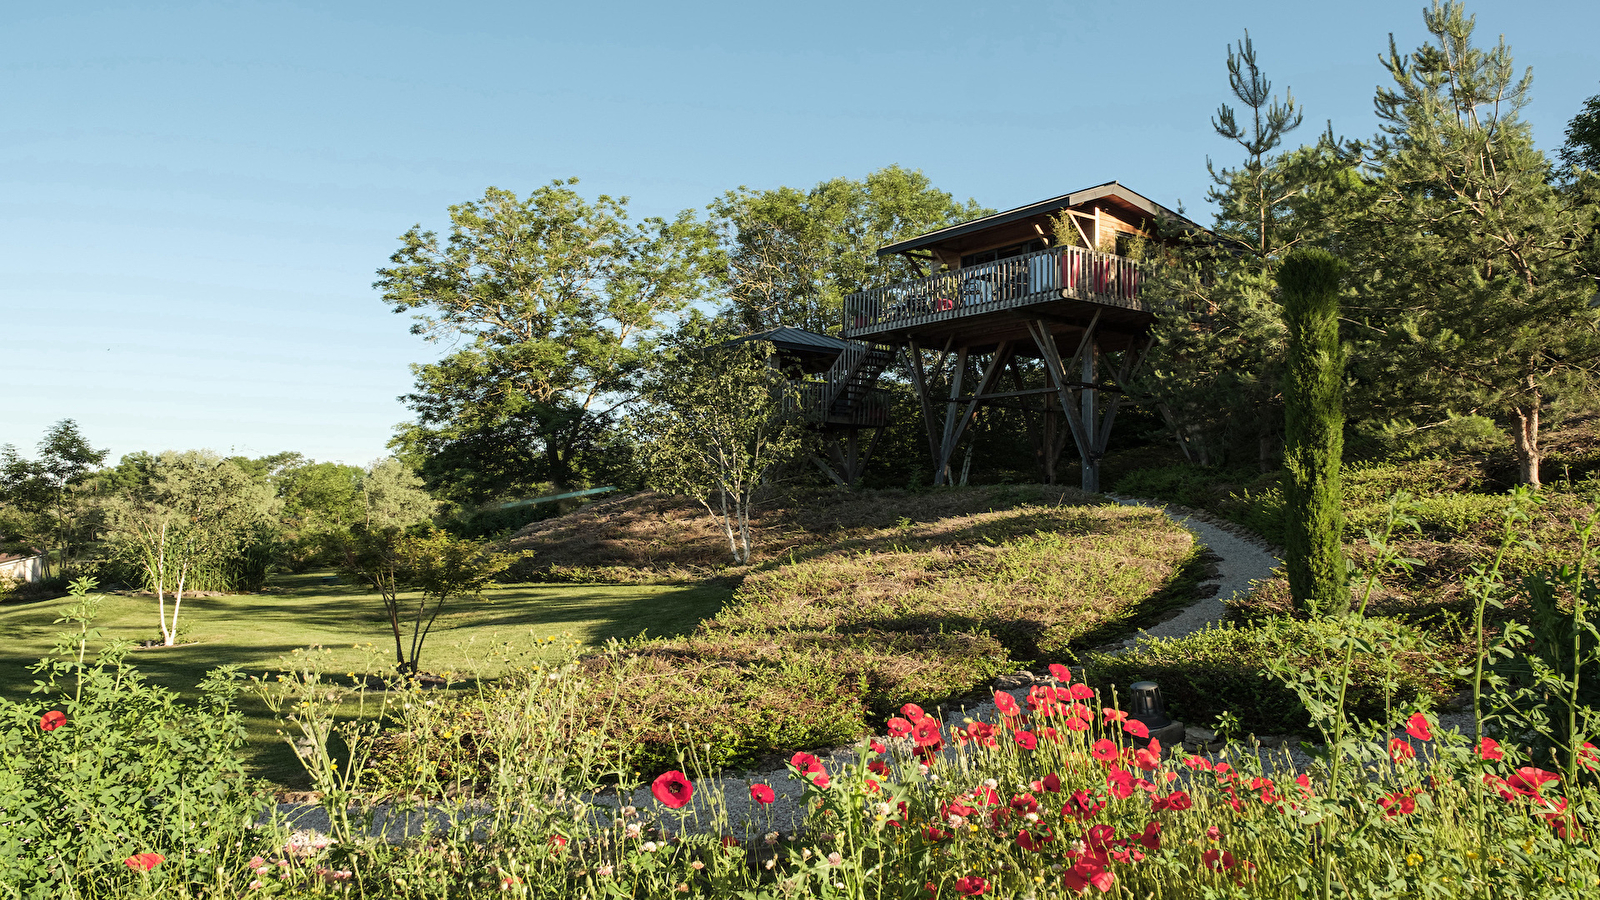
861, 602
821, 644
654, 537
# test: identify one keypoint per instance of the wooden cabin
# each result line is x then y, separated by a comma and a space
1036, 308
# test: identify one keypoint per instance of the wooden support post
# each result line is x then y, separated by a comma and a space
1089, 398
1131, 361
1059, 373
919, 383
984, 384
828, 470
941, 472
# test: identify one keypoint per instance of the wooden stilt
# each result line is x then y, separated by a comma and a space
941, 473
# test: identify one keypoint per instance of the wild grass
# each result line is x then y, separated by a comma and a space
925, 601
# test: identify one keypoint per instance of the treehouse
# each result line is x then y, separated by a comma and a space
1037, 308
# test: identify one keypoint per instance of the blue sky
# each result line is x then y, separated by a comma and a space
194, 197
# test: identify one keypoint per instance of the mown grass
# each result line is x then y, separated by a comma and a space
345, 628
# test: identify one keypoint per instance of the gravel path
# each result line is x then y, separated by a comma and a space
1242, 560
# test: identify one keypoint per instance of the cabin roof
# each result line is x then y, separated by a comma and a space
1111, 190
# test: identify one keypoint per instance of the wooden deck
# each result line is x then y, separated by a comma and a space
992, 303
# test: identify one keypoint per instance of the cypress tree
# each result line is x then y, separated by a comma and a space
1313, 400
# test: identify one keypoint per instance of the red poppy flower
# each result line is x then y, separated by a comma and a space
1052, 783
898, 727
912, 711
1177, 801
934, 833
820, 779
1148, 758
1077, 724
806, 763
926, 732
1417, 727
878, 747
1401, 750
971, 885
1033, 843
878, 767
1085, 873
1489, 748
1397, 805
1528, 780
558, 843
144, 862
1099, 837
1080, 691
1007, 704
1136, 728
1304, 781
1120, 782
1587, 757
672, 789
1026, 740
1217, 860
52, 720
1060, 673
1113, 715
1104, 751
1214, 833
761, 793
1081, 806
1151, 838
1198, 762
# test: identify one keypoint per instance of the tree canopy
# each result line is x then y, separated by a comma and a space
792, 255
555, 299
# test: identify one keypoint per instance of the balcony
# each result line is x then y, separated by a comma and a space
1045, 277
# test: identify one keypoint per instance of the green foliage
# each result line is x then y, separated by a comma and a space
48, 502
1228, 669
129, 769
793, 255
1468, 293
1217, 369
1313, 396
719, 421
556, 299
193, 517
1583, 137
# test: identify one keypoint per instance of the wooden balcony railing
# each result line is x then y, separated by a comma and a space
1060, 272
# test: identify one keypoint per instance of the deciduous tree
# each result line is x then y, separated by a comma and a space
792, 255
193, 510
555, 299
717, 422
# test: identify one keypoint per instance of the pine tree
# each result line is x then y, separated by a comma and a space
1469, 297
1313, 413
1218, 367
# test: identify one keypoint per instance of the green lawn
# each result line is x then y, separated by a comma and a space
256, 631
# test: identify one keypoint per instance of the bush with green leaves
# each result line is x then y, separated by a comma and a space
104, 766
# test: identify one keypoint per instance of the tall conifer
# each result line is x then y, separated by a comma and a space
1313, 399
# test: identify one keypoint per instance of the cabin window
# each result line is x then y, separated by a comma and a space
975, 259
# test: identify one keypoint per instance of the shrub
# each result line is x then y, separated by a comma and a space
104, 766
1225, 670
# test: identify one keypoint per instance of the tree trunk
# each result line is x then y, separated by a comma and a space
1525, 437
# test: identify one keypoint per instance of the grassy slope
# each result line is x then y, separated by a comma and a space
863, 602
256, 631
